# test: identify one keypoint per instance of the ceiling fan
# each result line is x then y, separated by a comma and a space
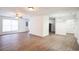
19, 15
31, 8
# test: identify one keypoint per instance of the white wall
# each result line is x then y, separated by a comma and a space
65, 26
70, 25
77, 29
39, 25
36, 25
45, 25
53, 25
22, 25
0, 25
50, 21
60, 27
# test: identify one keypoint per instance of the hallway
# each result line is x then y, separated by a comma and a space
26, 42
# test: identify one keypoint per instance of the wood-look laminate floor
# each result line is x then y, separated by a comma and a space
26, 42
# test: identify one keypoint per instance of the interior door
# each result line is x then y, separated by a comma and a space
50, 27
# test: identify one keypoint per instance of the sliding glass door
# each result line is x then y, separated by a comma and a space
9, 25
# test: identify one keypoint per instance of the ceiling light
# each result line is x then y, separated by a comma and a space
31, 8
17, 17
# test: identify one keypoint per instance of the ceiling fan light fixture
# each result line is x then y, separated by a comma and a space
17, 17
31, 8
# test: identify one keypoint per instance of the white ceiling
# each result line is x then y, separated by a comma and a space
11, 11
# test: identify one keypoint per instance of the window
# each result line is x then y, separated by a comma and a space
10, 25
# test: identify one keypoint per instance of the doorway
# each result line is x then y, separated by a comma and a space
51, 25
